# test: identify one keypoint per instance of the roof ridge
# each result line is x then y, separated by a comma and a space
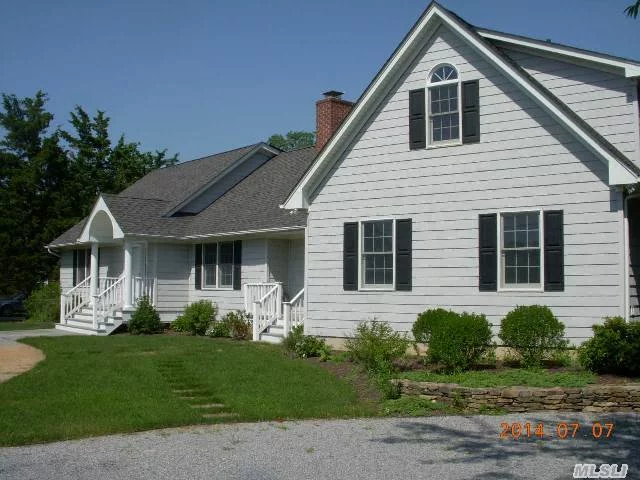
208, 156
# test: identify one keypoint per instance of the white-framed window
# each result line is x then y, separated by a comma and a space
217, 265
443, 105
521, 255
377, 258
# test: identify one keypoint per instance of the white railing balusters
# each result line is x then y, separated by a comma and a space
75, 299
254, 292
267, 310
107, 301
293, 312
143, 287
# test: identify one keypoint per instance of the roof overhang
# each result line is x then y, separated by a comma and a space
620, 172
622, 66
100, 215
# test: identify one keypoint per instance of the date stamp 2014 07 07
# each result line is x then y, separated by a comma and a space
562, 430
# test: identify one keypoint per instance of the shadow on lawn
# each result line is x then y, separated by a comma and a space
478, 438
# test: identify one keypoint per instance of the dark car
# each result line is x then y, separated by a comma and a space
11, 306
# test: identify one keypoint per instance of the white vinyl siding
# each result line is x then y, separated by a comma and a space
66, 270
608, 102
172, 270
524, 161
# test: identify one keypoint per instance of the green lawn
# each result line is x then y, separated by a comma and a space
98, 385
507, 378
23, 325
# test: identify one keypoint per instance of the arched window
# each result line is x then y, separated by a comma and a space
444, 104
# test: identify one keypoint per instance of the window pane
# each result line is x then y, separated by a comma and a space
534, 258
368, 244
532, 221
209, 275
368, 276
522, 275
226, 264
510, 275
509, 222
534, 274
388, 244
377, 244
509, 239
510, 258
522, 258
368, 229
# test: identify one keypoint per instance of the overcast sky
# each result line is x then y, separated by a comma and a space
199, 77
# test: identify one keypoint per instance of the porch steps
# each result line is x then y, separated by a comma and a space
82, 323
273, 334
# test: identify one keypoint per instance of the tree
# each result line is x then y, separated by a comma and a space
632, 10
49, 180
292, 140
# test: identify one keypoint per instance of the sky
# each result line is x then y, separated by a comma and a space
198, 77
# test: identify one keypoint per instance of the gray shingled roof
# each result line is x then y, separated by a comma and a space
252, 204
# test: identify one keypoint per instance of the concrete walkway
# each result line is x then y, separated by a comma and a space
388, 448
17, 358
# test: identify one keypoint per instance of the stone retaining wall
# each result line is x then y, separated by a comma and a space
593, 398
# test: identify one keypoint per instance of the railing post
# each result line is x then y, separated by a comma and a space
95, 272
128, 267
63, 304
287, 317
279, 300
95, 312
256, 309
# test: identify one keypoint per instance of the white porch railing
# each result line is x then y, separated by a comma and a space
293, 312
267, 310
75, 299
144, 287
254, 292
108, 301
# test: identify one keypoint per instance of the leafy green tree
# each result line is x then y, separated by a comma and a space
33, 197
632, 10
50, 178
292, 140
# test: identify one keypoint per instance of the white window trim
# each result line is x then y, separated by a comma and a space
217, 286
372, 288
501, 287
430, 84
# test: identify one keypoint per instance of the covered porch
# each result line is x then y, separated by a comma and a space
108, 276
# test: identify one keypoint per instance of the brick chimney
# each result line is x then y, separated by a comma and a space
330, 113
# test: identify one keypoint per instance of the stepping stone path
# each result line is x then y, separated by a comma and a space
187, 389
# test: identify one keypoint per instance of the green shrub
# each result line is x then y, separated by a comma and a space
43, 305
534, 332
614, 348
196, 318
426, 321
218, 329
460, 341
305, 346
234, 325
145, 320
239, 324
376, 346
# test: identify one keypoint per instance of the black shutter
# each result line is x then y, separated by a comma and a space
350, 257
75, 268
237, 265
553, 251
403, 254
470, 111
198, 272
417, 126
488, 253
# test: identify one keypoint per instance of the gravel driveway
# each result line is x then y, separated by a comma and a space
389, 448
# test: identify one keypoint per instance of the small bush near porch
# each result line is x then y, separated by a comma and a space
90, 386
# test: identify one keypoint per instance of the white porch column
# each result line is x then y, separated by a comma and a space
128, 264
94, 280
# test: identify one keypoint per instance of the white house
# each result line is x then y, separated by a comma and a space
478, 171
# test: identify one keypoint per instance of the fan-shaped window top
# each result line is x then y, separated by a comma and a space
442, 73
